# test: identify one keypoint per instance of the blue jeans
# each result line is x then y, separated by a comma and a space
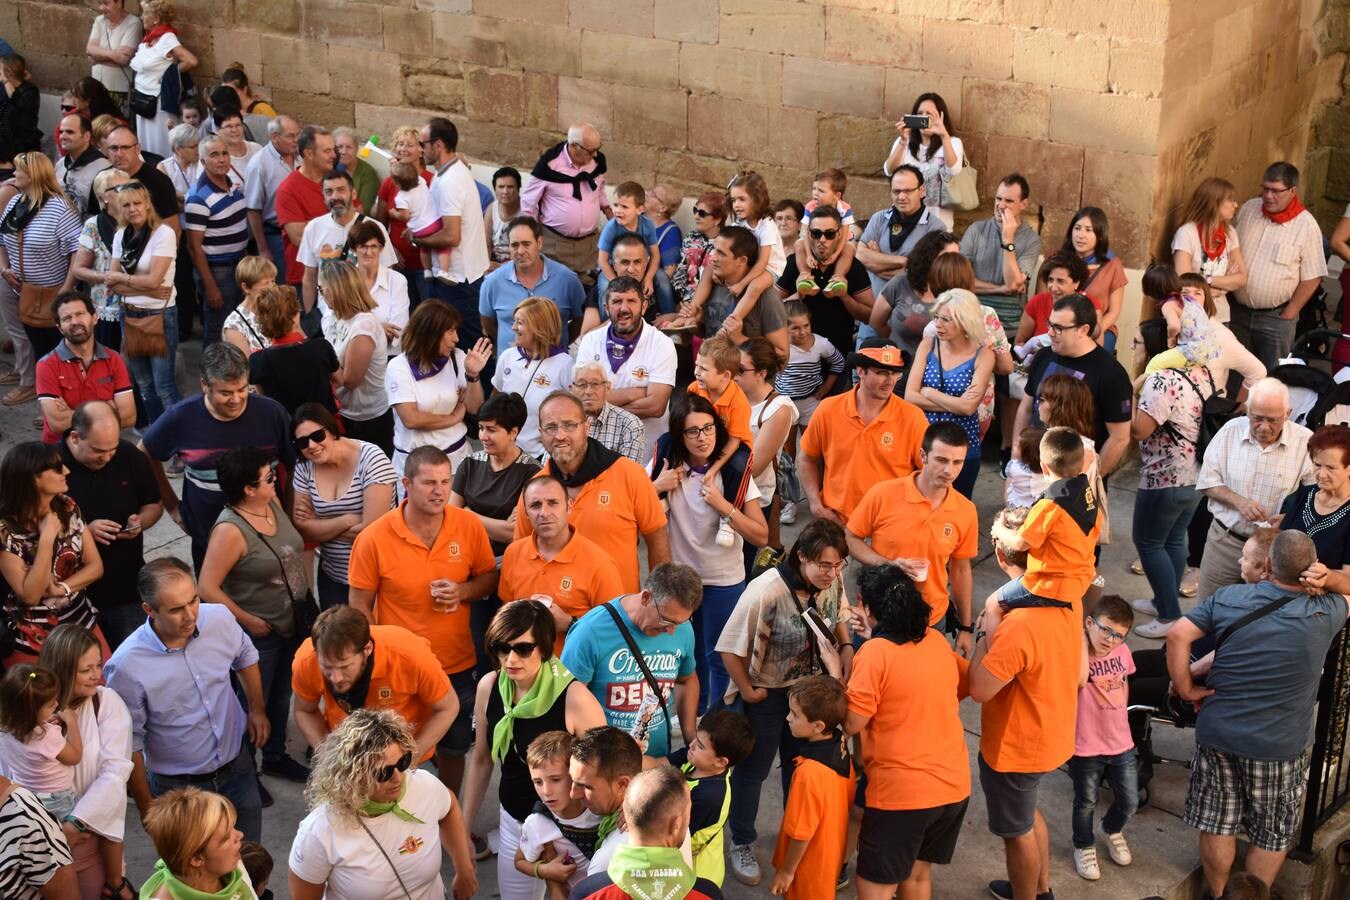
1122, 774
275, 654
663, 293
230, 295
331, 591
768, 720
154, 375
237, 782
276, 245
709, 620
1162, 517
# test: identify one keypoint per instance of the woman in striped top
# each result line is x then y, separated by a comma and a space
34, 856
341, 486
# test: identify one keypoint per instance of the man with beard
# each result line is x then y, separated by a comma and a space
81, 163
640, 358
531, 274
80, 369
326, 236
216, 222
348, 664
733, 252
613, 501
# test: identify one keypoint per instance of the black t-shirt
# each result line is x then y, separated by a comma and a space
160, 186
293, 374
493, 494
830, 318
1099, 370
116, 492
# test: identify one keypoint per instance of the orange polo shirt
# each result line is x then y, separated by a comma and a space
390, 560
901, 522
405, 678
858, 455
1062, 560
734, 408
579, 578
613, 510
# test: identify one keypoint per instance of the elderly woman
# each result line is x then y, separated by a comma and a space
767, 647
184, 166
530, 693
663, 202
388, 287
365, 791
230, 126
255, 566
157, 51
1207, 242
952, 372
406, 149
19, 107
198, 845
341, 485
95, 828
93, 261
1319, 509
772, 416
362, 348
710, 215
536, 366
504, 207
365, 181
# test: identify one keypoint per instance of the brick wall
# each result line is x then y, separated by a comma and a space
1124, 103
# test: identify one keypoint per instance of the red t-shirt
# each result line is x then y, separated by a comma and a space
298, 200
408, 255
1040, 306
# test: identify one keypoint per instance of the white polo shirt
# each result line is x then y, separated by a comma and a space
532, 379
652, 362
454, 193
324, 238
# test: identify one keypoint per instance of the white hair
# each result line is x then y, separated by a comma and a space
276, 123
182, 135
587, 365
344, 131
576, 134
1269, 387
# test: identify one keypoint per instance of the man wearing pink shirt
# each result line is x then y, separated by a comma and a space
566, 194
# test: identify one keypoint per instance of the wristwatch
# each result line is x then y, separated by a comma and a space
79, 826
968, 629
1010, 247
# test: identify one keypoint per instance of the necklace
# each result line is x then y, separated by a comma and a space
265, 516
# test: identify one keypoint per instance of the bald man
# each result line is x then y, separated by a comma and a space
566, 194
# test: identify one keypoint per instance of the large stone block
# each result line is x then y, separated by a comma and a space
630, 61
774, 26
867, 195
694, 21
1005, 108
1042, 56
962, 48
989, 12
632, 162
198, 39
739, 74
880, 39
544, 48
1126, 178
9, 19
535, 12
52, 30
694, 173
719, 126
295, 65
581, 100
230, 46
1054, 171
409, 31
541, 101
204, 12
444, 93
51, 68
1143, 20
903, 86
382, 120
494, 95
877, 6
372, 76
858, 146
1108, 121
505, 144
267, 16
342, 22
633, 17
792, 138
447, 6
318, 109
480, 41
656, 118
833, 86
1136, 68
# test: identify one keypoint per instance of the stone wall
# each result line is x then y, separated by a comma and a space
1072, 94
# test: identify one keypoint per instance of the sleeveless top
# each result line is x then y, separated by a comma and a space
953, 382
515, 791
258, 581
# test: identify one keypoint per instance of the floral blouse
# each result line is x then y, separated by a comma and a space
107, 305
1167, 457
693, 251
36, 622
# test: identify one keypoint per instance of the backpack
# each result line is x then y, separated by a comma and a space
1214, 414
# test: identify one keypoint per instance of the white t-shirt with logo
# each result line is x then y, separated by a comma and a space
652, 362
324, 238
437, 394
454, 193
533, 379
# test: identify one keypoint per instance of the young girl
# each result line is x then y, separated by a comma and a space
36, 753
1193, 341
412, 204
748, 197
1026, 482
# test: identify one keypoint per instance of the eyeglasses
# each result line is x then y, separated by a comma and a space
1056, 328
1274, 192
587, 150
521, 649
553, 428
318, 436
666, 623
118, 148
830, 568
746, 370
827, 234
702, 213
384, 773
1109, 633
270, 477
944, 320
1266, 420
589, 385
703, 431
370, 247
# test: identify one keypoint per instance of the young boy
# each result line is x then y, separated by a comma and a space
629, 201
814, 364
811, 840
827, 190
723, 739
558, 838
719, 360
258, 863
1102, 741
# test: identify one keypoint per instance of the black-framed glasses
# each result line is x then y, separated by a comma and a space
1109, 633
1056, 328
384, 773
824, 234
56, 465
702, 213
521, 649
318, 436
701, 431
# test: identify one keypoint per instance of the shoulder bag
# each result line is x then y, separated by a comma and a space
35, 302
1256, 614
385, 854
142, 329
306, 609
642, 664
960, 191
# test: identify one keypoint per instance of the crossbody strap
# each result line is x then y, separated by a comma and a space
1251, 617
385, 854
285, 576
642, 664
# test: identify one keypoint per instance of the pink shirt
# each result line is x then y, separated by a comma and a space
555, 207
1103, 726
33, 763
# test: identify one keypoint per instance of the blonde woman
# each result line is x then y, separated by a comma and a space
406, 149
39, 234
255, 274
198, 845
952, 372
159, 49
1207, 243
358, 337
536, 366
93, 261
365, 790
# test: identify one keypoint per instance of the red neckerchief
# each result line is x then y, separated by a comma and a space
295, 337
1213, 244
156, 33
1294, 208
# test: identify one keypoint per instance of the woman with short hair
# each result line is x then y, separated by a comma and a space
1319, 509
93, 261
710, 214
362, 348
184, 165
536, 366
198, 844
254, 274
387, 287
294, 369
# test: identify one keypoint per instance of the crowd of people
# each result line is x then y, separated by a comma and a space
444, 426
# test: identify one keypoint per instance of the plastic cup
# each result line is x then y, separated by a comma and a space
920, 567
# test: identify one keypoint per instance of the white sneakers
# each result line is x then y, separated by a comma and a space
1119, 850
788, 514
1085, 861
1145, 606
1156, 629
744, 865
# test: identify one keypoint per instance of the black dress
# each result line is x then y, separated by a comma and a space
19, 132
514, 789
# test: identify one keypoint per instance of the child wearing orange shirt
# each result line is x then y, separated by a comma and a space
811, 840
719, 361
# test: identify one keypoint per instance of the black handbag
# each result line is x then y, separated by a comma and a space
144, 105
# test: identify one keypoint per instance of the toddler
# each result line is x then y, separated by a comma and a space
258, 863
748, 196
39, 743
1026, 481
558, 838
1189, 333
412, 204
629, 201
827, 190
723, 739
719, 360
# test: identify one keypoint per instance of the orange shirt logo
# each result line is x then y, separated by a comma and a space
386, 694
566, 583
603, 498
454, 549
948, 530
887, 439
411, 844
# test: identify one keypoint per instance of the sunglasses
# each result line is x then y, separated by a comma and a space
827, 234
318, 436
521, 649
55, 465
384, 773
129, 186
702, 213
68, 107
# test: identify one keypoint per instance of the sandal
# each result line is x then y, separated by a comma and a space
837, 288
124, 890
807, 287
19, 396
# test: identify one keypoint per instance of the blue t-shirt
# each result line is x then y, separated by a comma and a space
613, 231
1265, 676
501, 292
200, 439
485, 196
669, 239
597, 654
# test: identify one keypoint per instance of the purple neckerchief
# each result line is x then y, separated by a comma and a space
618, 350
420, 374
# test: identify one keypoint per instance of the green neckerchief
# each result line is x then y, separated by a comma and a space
651, 873
373, 809
548, 686
608, 822
236, 888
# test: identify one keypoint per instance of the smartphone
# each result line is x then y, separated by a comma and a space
919, 122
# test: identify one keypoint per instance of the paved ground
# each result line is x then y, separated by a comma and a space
1164, 850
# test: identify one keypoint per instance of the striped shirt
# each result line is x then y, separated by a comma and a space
222, 215
622, 432
49, 240
32, 847
372, 467
803, 376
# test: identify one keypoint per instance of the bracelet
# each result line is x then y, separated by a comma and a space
66, 588
537, 864
967, 629
471, 379
79, 826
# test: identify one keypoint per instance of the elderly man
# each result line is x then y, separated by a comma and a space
81, 163
80, 369
613, 501
216, 223
655, 620
1255, 721
325, 237
831, 316
119, 498
124, 152
640, 358
616, 428
299, 198
891, 233
1250, 466
263, 175
1282, 244
173, 672
566, 194
530, 274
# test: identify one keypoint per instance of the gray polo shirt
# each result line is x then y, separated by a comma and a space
982, 244
878, 229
